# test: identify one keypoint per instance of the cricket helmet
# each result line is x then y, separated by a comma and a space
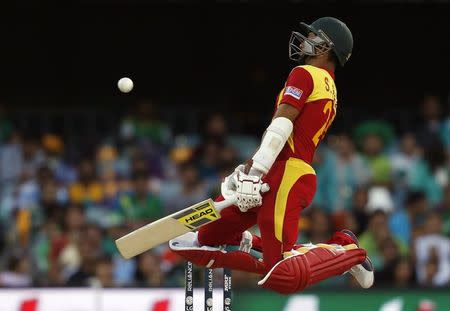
331, 34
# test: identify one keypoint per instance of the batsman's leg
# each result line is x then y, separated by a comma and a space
228, 229
310, 265
204, 248
278, 223
280, 212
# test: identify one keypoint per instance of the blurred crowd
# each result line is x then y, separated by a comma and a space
60, 211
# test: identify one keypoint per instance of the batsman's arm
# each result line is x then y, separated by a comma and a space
298, 87
287, 111
274, 138
284, 111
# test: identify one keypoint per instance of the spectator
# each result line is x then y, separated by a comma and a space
444, 210
319, 228
390, 255
431, 268
351, 172
379, 198
44, 239
344, 219
89, 248
403, 272
209, 155
94, 235
228, 163
42, 196
389, 251
11, 164
404, 161
54, 151
324, 164
64, 250
33, 156
407, 223
17, 273
430, 175
186, 191
139, 163
213, 146
87, 268
140, 205
429, 130
52, 200
433, 254
29, 190
216, 129
104, 273
123, 269
373, 137
87, 190
145, 124
3, 241
445, 132
360, 199
106, 162
148, 273
377, 232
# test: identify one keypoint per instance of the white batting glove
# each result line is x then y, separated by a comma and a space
228, 187
244, 199
249, 189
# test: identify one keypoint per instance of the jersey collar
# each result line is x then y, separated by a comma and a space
331, 72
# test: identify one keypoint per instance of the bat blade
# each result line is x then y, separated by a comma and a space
169, 227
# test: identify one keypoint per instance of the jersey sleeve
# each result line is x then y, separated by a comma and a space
299, 86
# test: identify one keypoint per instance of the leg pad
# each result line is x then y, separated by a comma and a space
299, 271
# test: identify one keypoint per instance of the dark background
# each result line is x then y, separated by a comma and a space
228, 55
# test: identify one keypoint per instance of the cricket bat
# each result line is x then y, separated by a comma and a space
169, 227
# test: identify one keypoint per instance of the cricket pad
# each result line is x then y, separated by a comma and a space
235, 260
297, 272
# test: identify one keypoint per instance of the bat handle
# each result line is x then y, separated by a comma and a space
225, 203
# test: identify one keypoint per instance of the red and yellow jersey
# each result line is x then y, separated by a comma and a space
312, 91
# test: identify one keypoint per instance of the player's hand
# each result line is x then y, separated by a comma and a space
249, 189
228, 186
235, 186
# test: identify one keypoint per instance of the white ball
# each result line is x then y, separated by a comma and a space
125, 85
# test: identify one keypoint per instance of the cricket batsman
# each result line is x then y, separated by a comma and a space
278, 182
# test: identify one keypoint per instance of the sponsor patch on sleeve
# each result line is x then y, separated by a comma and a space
293, 91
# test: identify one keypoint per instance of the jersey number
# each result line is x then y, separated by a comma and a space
321, 132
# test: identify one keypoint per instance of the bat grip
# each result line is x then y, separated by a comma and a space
225, 203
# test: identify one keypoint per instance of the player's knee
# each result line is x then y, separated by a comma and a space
270, 263
272, 258
208, 238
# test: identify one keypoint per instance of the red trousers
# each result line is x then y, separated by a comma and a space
292, 187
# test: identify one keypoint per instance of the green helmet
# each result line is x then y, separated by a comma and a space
331, 34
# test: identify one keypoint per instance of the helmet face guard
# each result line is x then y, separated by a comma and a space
301, 46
